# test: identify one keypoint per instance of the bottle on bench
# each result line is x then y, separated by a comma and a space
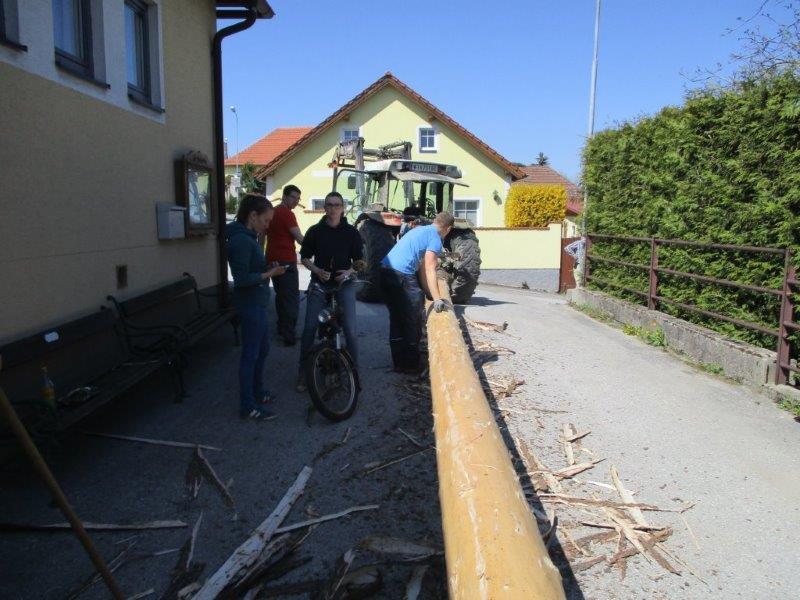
48, 389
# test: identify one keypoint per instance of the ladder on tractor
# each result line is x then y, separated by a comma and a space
354, 151
352, 154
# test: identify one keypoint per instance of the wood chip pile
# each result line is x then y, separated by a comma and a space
589, 523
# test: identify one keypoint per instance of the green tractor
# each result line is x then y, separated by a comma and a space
386, 193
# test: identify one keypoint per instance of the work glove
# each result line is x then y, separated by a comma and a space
440, 305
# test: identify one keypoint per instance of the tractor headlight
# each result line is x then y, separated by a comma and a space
324, 315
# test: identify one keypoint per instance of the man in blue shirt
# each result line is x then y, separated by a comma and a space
416, 254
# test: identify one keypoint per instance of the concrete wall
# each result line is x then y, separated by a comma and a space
82, 172
516, 256
739, 360
523, 248
35, 30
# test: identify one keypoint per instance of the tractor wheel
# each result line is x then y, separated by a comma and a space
467, 268
378, 240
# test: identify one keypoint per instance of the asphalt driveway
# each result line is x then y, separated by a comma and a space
676, 434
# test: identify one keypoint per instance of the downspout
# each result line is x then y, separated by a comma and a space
250, 16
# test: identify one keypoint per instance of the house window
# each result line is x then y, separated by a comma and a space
467, 209
3, 30
72, 28
427, 139
350, 134
137, 42
9, 21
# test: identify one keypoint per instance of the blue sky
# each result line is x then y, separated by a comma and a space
516, 73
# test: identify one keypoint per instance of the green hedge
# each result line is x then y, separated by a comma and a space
723, 168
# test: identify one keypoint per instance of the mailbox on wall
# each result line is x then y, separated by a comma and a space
171, 220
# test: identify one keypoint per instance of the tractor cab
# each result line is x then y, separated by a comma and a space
391, 191
383, 190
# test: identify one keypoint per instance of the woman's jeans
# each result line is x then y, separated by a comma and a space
255, 347
315, 302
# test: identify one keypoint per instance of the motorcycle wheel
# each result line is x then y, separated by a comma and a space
332, 382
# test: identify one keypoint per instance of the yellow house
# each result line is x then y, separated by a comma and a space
99, 98
388, 111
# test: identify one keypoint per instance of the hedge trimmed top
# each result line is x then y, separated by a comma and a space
723, 168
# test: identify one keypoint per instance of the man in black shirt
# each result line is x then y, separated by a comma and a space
334, 245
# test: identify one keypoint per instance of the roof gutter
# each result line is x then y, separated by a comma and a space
249, 11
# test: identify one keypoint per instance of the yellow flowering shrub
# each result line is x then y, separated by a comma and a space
535, 205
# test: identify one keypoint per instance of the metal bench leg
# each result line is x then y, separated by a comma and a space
176, 370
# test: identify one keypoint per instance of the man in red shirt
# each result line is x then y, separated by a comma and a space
283, 232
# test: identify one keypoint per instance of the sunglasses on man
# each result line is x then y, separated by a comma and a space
332, 205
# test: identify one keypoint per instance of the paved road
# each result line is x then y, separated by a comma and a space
674, 433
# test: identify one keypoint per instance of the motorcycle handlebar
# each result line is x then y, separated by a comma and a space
328, 287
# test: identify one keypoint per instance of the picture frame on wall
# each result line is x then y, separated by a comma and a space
194, 179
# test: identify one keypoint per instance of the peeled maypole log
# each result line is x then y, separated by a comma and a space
493, 548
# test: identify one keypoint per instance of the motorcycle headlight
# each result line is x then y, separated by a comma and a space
324, 315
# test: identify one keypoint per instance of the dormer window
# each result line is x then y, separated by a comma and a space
427, 139
350, 133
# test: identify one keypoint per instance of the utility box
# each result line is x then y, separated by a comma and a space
171, 220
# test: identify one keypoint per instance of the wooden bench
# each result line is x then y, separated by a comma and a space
92, 362
146, 336
95, 358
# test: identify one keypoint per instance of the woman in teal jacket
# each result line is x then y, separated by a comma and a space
250, 299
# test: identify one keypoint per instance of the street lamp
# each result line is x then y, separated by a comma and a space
235, 114
592, 91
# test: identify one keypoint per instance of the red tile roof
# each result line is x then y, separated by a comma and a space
389, 80
546, 174
268, 147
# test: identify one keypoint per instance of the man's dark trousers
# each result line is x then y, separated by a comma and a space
287, 302
405, 300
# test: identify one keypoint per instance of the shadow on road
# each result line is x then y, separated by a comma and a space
483, 301
572, 589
